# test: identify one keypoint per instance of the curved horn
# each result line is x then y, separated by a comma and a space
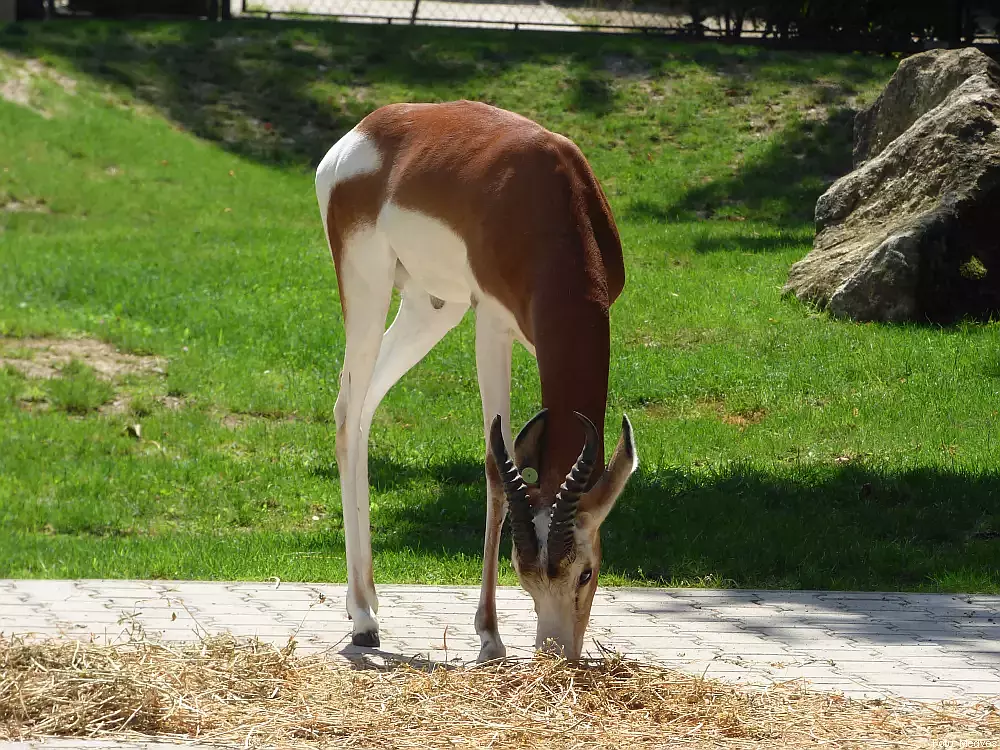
516, 491
564, 513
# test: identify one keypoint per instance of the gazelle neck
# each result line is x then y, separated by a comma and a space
571, 334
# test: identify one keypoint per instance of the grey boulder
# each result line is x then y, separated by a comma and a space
911, 233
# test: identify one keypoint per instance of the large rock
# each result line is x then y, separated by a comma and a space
912, 232
920, 84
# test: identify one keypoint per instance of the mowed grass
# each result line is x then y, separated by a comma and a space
156, 193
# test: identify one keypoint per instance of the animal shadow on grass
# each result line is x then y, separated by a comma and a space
835, 527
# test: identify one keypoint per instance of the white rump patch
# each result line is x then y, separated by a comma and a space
354, 154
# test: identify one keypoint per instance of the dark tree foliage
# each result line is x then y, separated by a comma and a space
126, 8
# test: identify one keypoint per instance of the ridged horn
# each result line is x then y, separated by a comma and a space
516, 491
563, 523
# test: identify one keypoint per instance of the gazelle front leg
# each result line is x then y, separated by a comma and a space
493, 354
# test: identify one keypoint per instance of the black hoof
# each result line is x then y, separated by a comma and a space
366, 640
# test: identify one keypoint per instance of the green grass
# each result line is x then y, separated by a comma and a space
78, 390
164, 203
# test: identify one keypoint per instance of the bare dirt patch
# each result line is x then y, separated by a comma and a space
28, 206
20, 79
744, 418
707, 407
741, 418
44, 358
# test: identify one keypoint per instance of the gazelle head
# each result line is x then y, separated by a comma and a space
557, 541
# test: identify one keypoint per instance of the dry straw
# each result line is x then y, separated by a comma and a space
250, 694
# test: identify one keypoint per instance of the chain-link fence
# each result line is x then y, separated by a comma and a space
570, 15
674, 17
811, 25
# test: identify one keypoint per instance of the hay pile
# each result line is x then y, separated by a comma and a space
250, 694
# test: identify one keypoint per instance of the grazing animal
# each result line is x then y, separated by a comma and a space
462, 204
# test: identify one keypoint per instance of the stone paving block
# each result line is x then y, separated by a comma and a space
677, 655
918, 650
652, 639
989, 624
789, 596
895, 606
113, 589
870, 632
987, 599
740, 610
945, 661
927, 630
45, 590
811, 672
773, 617
689, 627
931, 693
710, 595
733, 637
970, 642
122, 583
282, 593
980, 689
834, 616
860, 595
898, 677
634, 623
716, 669
992, 660
658, 606
844, 652
758, 651
442, 597
207, 616
642, 594
809, 635
950, 674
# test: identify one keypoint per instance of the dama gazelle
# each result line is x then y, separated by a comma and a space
460, 205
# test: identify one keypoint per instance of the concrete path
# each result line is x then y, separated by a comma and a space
924, 647
921, 647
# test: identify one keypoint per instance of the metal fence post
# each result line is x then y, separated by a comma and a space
413, 14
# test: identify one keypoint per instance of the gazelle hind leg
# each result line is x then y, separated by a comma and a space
366, 269
419, 324
493, 355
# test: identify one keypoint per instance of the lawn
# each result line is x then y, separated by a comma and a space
156, 194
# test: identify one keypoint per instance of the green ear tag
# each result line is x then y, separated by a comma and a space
529, 475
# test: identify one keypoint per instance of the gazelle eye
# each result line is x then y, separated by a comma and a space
585, 576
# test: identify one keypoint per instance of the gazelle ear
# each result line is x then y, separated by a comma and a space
529, 447
599, 501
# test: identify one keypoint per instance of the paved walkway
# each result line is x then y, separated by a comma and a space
924, 647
